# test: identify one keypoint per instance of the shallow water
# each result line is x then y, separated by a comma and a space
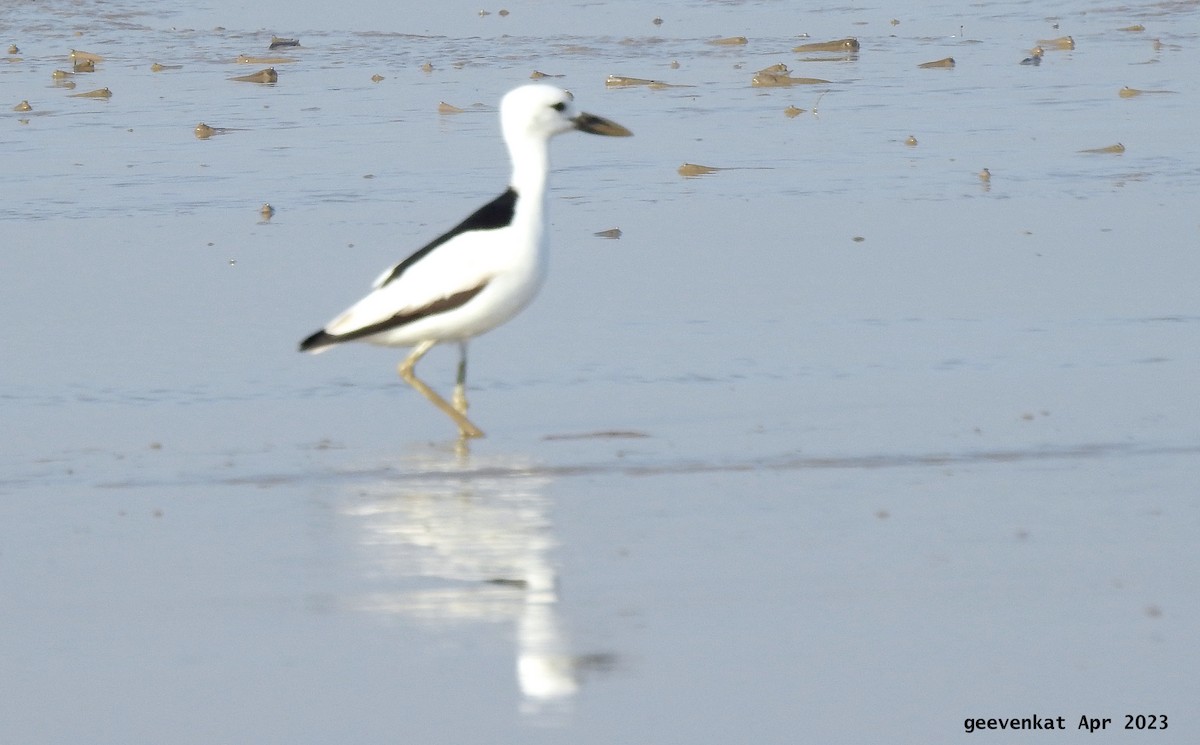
839, 442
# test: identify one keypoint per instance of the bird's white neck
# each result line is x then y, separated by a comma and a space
531, 164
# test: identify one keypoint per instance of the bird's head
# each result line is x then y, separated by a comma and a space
542, 111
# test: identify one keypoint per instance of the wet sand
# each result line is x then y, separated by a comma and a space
838, 441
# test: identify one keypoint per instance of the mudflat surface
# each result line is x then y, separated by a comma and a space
838, 442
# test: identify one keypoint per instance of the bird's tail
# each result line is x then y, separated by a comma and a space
318, 342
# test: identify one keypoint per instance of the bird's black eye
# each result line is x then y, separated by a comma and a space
560, 106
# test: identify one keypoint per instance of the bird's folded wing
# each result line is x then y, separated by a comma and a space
440, 281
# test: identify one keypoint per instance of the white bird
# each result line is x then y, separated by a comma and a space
481, 272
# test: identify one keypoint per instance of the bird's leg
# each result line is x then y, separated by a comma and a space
460, 387
465, 428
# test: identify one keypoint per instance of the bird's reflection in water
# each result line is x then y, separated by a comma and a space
467, 540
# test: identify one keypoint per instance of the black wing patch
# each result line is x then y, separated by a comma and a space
497, 213
441, 305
